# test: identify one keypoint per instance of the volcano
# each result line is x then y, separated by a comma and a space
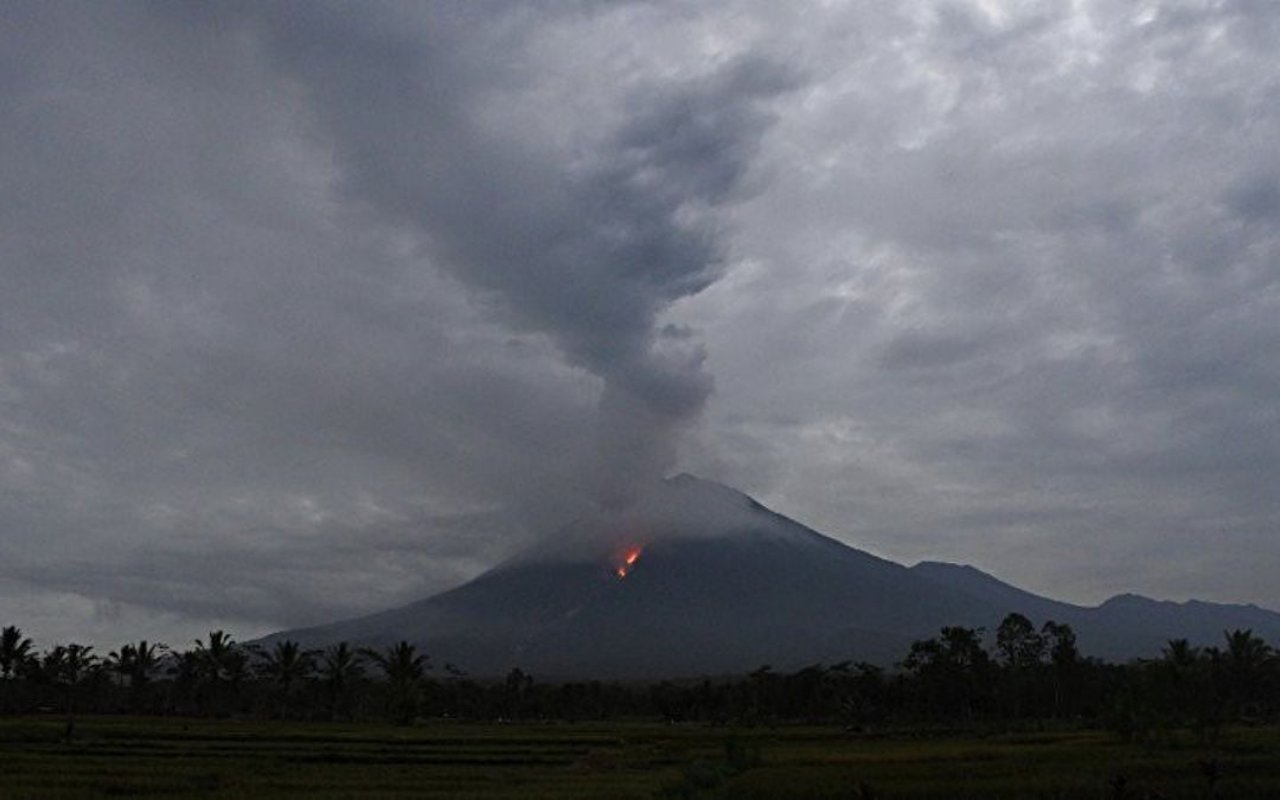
699, 579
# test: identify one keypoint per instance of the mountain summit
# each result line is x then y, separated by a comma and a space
698, 578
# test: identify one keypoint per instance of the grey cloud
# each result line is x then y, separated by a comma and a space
1045, 249
1255, 198
276, 577
931, 349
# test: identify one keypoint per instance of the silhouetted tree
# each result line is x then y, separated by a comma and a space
1243, 667
15, 652
68, 666
953, 672
1019, 645
762, 688
1180, 655
286, 667
1064, 666
223, 666
341, 670
15, 661
136, 665
1187, 694
186, 674
404, 670
860, 693
517, 688
1021, 649
950, 678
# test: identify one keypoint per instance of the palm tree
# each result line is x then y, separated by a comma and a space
68, 666
1245, 663
186, 672
400, 663
1245, 652
15, 658
1188, 693
215, 654
222, 663
403, 668
136, 663
341, 669
1179, 654
15, 652
287, 666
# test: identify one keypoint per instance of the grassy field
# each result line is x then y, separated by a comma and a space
120, 757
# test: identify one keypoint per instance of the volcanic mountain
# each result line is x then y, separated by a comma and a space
700, 579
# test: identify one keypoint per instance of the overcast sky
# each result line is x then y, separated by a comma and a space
311, 309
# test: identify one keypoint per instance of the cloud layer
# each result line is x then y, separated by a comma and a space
314, 308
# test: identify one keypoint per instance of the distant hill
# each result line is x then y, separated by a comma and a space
1126, 626
721, 584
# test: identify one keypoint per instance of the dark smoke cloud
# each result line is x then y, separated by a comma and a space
588, 247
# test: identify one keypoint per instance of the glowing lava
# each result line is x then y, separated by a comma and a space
628, 561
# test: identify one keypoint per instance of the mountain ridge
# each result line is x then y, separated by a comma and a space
719, 584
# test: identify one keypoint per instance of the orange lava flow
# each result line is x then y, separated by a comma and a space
628, 561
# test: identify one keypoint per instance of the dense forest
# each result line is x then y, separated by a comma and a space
1019, 675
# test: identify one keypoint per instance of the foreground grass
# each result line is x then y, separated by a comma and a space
121, 757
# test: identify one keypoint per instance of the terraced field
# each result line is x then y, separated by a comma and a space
118, 757
216, 759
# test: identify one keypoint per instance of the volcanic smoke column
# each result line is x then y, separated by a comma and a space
587, 242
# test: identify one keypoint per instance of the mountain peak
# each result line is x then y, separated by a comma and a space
687, 478
686, 506
697, 578
939, 567
690, 484
682, 506
1129, 599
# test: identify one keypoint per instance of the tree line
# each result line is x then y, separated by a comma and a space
961, 678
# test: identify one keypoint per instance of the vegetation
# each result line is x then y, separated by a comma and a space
123, 756
1029, 678
1027, 716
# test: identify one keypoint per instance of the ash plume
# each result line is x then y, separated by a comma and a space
587, 245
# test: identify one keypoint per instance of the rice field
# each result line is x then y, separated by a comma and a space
164, 758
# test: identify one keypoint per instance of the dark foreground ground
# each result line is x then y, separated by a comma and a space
162, 758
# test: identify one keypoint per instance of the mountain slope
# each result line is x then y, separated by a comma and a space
722, 584
991, 591
1125, 626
